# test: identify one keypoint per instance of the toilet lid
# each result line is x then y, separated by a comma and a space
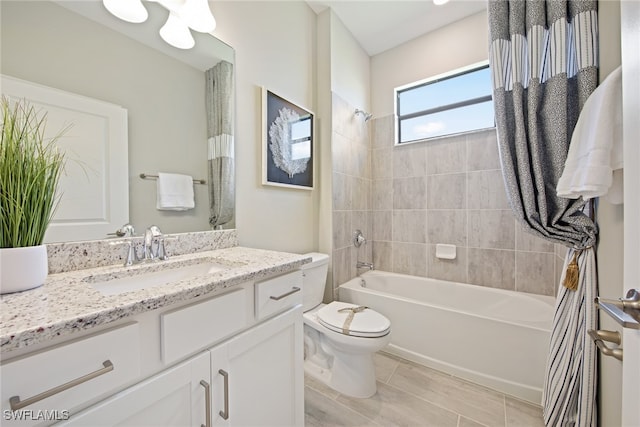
364, 321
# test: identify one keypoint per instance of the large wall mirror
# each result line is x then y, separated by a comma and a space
78, 47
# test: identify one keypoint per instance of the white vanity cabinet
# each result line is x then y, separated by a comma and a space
233, 359
174, 397
257, 376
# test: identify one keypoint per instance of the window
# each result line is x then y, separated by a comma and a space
448, 104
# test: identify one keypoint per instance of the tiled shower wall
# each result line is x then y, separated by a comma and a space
451, 191
351, 161
407, 199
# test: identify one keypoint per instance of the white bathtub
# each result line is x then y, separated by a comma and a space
492, 337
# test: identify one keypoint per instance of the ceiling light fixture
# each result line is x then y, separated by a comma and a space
440, 2
127, 10
183, 16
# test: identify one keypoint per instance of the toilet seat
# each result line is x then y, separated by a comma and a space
365, 323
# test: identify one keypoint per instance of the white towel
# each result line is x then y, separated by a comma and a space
594, 163
175, 192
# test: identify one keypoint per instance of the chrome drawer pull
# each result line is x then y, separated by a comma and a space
225, 414
207, 404
16, 403
292, 291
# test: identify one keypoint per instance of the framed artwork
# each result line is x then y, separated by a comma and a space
287, 143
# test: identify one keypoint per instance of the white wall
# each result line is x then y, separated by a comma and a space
448, 48
275, 44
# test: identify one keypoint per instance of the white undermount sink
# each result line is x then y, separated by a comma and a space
153, 275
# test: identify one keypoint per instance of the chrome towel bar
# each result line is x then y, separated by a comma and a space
150, 176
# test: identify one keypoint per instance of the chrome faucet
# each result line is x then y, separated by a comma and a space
153, 235
362, 264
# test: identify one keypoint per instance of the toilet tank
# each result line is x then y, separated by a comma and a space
314, 279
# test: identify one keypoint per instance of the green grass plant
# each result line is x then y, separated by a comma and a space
30, 169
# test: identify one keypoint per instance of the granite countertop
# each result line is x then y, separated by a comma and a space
67, 303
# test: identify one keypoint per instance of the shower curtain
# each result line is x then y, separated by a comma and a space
543, 60
219, 107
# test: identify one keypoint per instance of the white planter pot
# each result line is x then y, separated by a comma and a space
22, 268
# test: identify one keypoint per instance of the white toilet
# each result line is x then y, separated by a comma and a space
339, 352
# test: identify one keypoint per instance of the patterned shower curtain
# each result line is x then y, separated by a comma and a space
544, 59
219, 106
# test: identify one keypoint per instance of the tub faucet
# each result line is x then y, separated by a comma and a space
362, 264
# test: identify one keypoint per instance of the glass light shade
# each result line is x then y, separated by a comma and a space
197, 15
127, 10
440, 2
176, 33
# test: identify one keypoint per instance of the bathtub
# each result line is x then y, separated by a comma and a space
493, 337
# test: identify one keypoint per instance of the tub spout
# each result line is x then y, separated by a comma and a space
362, 264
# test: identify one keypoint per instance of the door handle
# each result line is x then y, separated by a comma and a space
207, 404
600, 336
225, 413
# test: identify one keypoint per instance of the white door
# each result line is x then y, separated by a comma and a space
630, 19
175, 397
258, 377
94, 186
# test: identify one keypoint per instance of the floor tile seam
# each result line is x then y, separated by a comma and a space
425, 400
356, 411
448, 409
322, 392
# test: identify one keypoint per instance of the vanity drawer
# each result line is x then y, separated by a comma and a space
194, 327
278, 294
64, 378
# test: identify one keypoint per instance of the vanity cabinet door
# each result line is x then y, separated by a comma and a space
175, 397
263, 371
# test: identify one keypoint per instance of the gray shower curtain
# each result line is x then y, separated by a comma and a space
219, 107
544, 59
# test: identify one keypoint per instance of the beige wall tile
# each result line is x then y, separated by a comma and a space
382, 225
409, 193
492, 268
382, 132
535, 272
486, 190
492, 229
342, 192
341, 266
410, 258
409, 161
360, 193
341, 229
482, 151
526, 241
410, 226
447, 226
381, 194
446, 191
382, 256
382, 163
454, 270
446, 155
340, 153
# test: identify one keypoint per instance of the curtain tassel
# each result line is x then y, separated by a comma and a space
573, 273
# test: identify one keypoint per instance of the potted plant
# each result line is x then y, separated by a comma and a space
30, 168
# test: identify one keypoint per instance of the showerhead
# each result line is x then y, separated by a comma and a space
367, 116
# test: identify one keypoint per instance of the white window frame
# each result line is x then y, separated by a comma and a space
430, 80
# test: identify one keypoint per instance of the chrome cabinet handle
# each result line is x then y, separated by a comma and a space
207, 403
16, 403
292, 291
225, 414
600, 336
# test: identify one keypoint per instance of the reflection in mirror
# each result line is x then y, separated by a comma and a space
78, 47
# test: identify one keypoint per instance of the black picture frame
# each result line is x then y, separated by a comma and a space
287, 143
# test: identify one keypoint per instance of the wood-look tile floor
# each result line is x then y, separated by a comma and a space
413, 395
